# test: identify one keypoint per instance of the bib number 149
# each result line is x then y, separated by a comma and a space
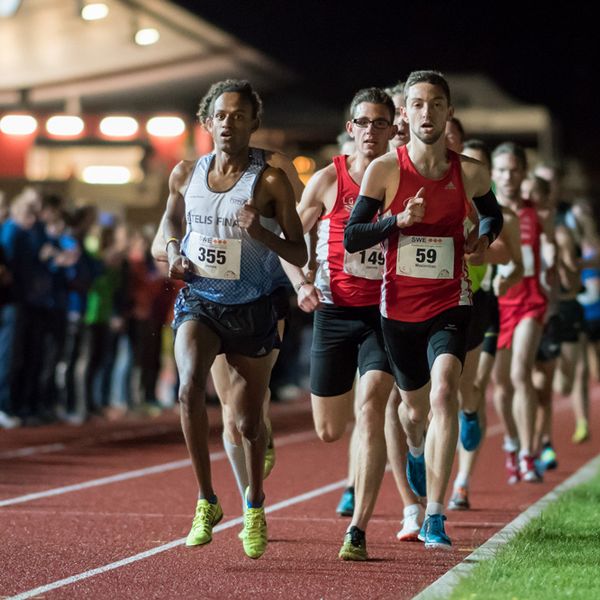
372, 257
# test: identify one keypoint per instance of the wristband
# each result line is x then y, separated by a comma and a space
171, 239
297, 286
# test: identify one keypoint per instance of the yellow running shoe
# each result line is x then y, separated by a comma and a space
206, 517
582, 432
270, 452
354, 546
255, 530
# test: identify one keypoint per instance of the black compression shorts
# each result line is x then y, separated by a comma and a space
413, 347
344, 339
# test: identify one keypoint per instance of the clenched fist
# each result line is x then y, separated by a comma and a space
414, 210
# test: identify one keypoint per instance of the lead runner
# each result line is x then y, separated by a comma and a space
234, 205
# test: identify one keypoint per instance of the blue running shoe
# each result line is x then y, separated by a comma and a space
346, 506
434, 534
470, 431
548, 458
415, 473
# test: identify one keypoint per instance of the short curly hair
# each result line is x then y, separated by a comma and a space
239, 86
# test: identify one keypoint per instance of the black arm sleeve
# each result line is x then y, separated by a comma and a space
490, 215
360, 232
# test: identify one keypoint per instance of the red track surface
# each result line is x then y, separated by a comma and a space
49, 538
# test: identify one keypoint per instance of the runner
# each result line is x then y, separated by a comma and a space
220, 373
482, 338
345, 295
426, 301
523, 311
398, 417
234, 205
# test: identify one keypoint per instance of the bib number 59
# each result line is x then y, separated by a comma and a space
423, 255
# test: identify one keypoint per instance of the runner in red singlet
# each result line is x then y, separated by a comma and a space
522, 314
345, 295
426, 300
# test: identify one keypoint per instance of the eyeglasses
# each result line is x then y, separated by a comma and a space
364, 122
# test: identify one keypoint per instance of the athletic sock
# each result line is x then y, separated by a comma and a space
259, 505
434, 508
510, 444
461, 481
411, 509
524, 452
211, 500
237, 460
418, 451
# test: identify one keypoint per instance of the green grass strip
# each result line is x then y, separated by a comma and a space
555, 556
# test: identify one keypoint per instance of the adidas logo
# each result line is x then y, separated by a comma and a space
450, 186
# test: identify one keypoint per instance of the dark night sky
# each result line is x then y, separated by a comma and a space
537, 54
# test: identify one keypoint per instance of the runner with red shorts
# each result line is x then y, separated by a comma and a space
522, 315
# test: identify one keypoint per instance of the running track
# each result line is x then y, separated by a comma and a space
101, 511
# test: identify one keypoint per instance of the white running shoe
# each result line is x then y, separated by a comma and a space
411, 525
8, 422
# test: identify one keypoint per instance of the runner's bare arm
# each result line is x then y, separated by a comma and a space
274, 189
283, 162
511, 236
159, 243
568, 268
309, 210
173, 222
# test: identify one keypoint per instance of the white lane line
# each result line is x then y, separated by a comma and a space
443, 587
293, 438
170, 545
127, 434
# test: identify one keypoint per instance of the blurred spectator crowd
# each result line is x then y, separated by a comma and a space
83, 314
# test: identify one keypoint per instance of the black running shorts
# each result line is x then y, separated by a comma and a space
413, 347
572, 320
345, 338
248, 329
480, 318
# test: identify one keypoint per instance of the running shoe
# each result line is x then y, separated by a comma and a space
411, 525
460, 499
511, 463
8, 421
527, 469
470, 430
415, 473
254, 537
582, 432
206, 517
345, 508
548, 458
270, 453
433, 533
354, 546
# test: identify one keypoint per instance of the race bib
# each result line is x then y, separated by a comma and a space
367, 264
528, 261
213, 257
425, 257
